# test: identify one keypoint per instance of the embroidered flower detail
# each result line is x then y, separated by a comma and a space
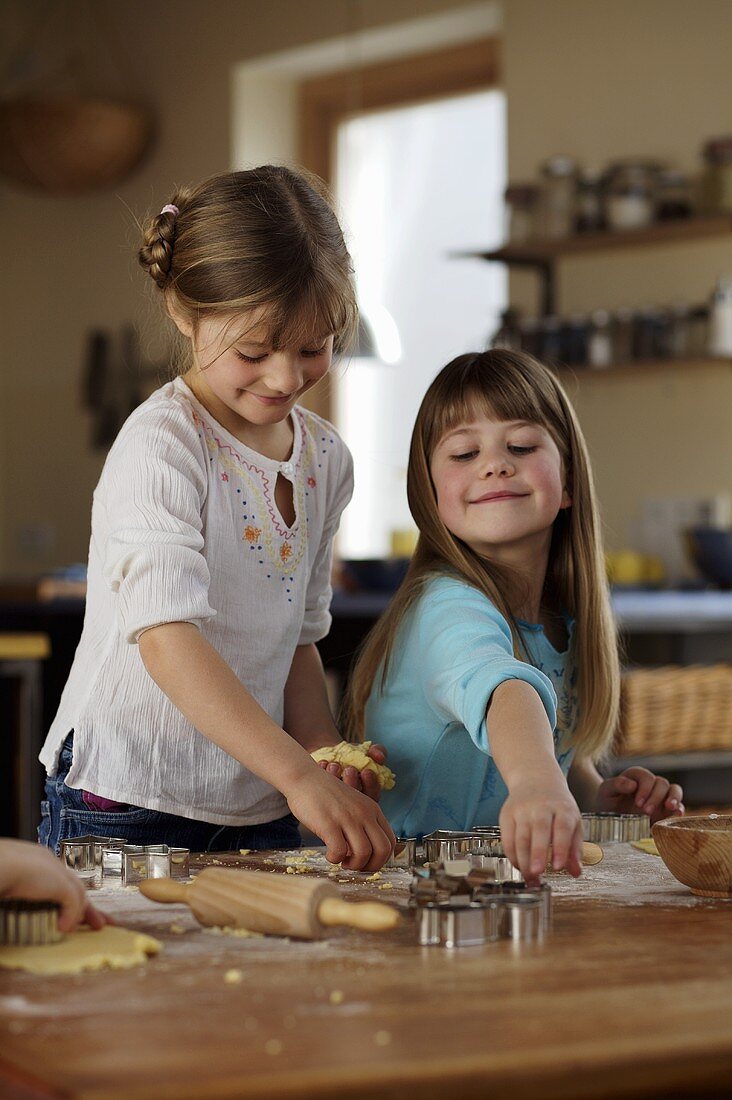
224, 477
312, 482
285, 551
252, 534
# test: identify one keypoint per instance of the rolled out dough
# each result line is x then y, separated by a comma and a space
356, 756
648, 844
116, 948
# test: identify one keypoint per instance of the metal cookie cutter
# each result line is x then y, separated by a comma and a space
83, 854
447, 844
456, 923
25, 923
519, 917
606, 828
142, 861
404, 855
498, 867
492, 890
492, 844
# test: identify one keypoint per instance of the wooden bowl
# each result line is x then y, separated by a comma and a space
698, 852
71, 145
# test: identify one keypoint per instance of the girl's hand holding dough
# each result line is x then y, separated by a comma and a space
370, 779
29, 871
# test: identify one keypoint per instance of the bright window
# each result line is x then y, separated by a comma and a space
413, 185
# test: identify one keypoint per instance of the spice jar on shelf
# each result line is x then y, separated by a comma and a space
679, 339
622, 328
720, 318
575, 334
588, 206
522, 200
558, 197
630, 194
673, 200
600, 341
717, 178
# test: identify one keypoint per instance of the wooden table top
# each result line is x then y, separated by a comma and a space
631, 995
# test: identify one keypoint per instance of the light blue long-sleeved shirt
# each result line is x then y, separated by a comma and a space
451, 652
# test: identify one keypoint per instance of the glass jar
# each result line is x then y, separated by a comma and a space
717, 180
558, 197
623, 323
600, 343
630, 194
588, 207
522, 201
575, 336
673, 199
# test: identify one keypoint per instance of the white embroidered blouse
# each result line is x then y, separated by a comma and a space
185, 528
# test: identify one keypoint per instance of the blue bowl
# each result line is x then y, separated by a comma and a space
711, 551
375, 574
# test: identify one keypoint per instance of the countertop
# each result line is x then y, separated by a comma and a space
630, 995
635, 610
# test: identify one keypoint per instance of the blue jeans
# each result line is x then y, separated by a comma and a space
64, 815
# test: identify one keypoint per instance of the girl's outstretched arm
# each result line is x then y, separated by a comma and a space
205, 689
309, 720
540, 811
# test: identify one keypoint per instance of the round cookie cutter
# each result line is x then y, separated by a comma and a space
615, 828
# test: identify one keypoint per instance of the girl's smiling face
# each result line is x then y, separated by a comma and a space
500, 485
242, 379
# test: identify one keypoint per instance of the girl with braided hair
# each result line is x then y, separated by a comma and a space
197, 695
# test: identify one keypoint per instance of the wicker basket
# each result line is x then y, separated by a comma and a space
71, 145
675, 709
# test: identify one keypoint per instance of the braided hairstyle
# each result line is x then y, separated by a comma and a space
156, 253
264, 239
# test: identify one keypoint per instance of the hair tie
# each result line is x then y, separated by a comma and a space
170, 209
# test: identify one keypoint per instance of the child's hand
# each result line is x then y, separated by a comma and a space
539, 814
352, 827
635, 791
29, 871
364, 780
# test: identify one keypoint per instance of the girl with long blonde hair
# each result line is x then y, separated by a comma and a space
493, 677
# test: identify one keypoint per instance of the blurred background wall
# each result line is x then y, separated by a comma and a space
596, 80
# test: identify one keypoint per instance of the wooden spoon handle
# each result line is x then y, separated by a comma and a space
166, 890
371, 916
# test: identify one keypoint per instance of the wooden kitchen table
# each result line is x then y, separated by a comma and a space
631, 995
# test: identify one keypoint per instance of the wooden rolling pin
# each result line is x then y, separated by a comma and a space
273, 904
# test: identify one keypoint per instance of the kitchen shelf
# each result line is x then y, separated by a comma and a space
543, 253
633, 366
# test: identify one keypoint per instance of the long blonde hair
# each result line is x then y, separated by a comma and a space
507, 385
262, 239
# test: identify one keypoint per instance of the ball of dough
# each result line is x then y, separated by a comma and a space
355, 756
